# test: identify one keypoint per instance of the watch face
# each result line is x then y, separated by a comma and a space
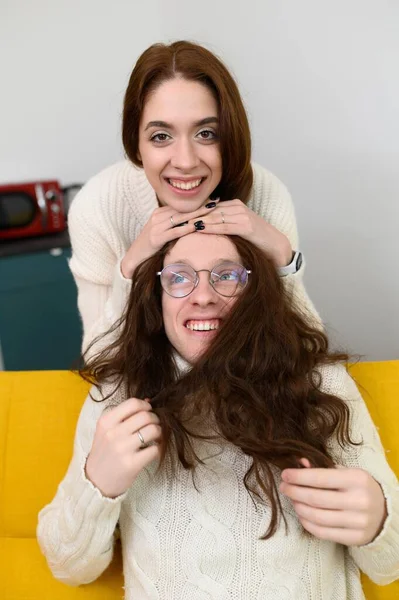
299, 261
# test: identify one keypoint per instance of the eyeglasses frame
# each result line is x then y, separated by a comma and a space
159, 273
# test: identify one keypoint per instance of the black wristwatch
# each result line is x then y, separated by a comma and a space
294, 265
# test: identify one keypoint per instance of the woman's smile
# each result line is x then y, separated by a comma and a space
186, 188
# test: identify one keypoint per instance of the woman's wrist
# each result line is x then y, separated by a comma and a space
284, 255
125, 268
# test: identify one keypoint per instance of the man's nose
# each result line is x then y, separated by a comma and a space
204, 293
184, 156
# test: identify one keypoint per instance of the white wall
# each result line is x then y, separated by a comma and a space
319, 80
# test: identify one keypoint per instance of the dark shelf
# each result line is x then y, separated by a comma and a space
34, 244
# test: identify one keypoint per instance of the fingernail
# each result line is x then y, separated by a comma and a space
198, 223
200, 227
180, 224
210, 205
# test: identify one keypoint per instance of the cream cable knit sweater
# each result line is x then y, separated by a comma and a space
180, 543
110, 212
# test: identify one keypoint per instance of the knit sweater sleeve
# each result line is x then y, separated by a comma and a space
106, 216
271, 200
76, 531
100, 306
95, 263
379, 559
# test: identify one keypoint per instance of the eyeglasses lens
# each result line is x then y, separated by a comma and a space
178, 280
229, 279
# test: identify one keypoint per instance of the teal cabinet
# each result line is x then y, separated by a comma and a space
40, 327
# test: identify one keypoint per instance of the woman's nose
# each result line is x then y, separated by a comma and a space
184, 155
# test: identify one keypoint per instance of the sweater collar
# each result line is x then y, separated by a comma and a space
182, 365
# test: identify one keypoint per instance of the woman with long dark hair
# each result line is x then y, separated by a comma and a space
188, 168
228, 440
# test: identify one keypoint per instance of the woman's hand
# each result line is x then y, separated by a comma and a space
241, 220
343, 505
164, 225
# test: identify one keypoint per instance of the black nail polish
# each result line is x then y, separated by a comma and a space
200, 228
210, 205
198, 224
180, 224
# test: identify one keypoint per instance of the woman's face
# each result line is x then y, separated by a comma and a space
204, 306
179, 144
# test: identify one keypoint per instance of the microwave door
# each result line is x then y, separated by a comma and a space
17, 209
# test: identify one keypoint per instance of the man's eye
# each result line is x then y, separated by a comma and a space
228, 276
179, 278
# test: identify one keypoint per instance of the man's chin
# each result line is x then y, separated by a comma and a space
192, 357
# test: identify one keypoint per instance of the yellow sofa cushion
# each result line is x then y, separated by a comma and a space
38, 416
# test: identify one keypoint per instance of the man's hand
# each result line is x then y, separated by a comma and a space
343, 505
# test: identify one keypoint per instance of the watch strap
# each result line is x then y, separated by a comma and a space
294, 265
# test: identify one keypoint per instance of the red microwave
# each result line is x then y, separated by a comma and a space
31, 209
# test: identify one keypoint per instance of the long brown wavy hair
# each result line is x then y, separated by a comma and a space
161, 63
258, 379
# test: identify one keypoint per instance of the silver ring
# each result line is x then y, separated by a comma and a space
172, 221
221, 212
143, 444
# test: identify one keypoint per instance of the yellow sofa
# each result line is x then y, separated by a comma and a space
38, 415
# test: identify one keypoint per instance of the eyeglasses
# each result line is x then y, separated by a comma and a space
227, 279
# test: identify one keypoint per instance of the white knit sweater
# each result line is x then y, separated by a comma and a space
179, 543
109, 213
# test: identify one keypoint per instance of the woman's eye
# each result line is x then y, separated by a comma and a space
205, 134
159, 135
209, 135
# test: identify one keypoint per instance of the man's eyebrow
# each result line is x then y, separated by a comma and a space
182, 261
205, 121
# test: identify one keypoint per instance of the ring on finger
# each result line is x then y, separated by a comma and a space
172, 221
143, 444
222, 213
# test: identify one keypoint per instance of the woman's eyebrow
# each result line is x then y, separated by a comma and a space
206, 121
